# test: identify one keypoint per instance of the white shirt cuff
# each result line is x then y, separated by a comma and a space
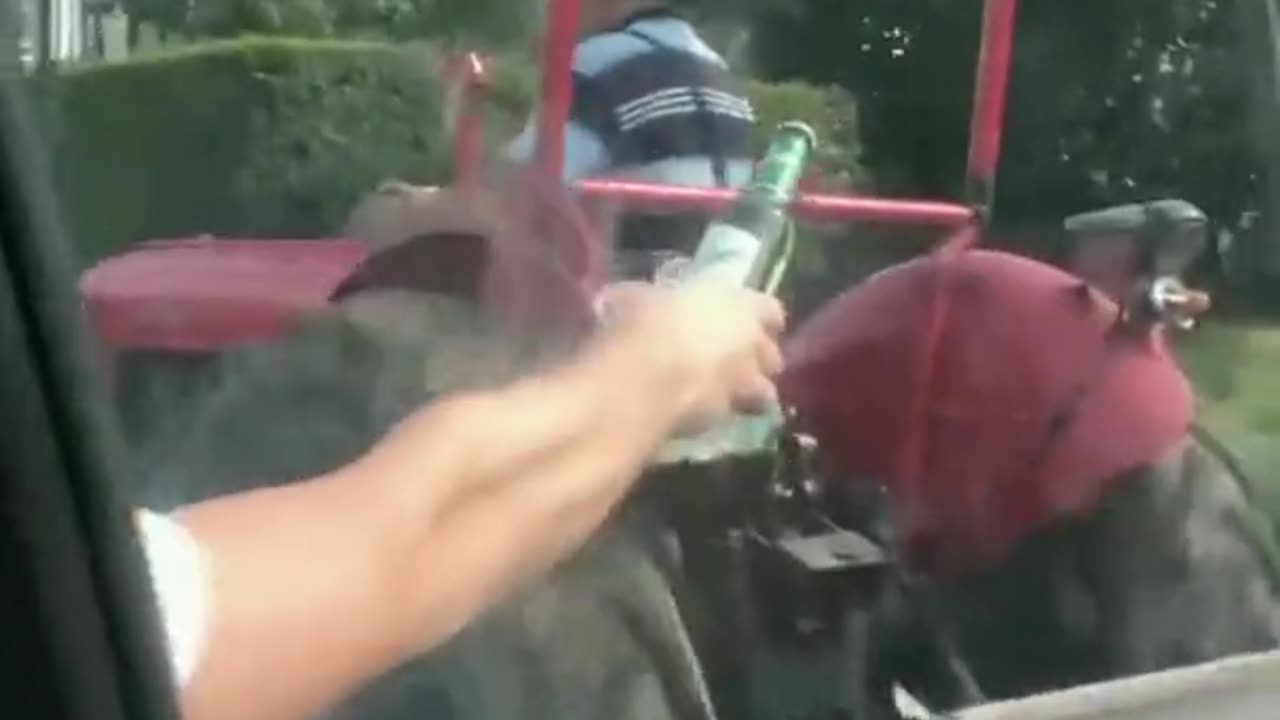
179, 574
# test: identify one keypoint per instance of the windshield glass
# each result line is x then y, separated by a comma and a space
1028, 412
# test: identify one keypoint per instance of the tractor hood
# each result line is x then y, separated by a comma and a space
1032, 401
202, 294
205, 295
521, 249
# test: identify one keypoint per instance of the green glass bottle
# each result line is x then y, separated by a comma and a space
747, 245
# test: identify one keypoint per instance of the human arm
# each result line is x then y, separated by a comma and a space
318, 587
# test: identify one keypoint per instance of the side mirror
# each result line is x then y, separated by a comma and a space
1138, 254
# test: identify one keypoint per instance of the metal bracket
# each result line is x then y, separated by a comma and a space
836, 551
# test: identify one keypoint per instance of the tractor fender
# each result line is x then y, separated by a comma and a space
536, 264
1034, 402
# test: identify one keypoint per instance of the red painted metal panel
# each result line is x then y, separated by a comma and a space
815, 208
205, 294
990, 95
1023, 345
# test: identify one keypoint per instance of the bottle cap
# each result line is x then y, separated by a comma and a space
801, 128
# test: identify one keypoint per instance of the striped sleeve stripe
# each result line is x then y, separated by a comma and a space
655, 103
715, 103
685, 98
631, 105
629, 110
737, 109
683, 107
678, 110
669, 112
685, 94
663, 109
728, 98
710, 93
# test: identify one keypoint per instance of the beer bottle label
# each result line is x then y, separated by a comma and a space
726, 253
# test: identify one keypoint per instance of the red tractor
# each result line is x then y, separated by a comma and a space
973, 441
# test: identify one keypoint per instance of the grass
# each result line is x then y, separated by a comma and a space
1235, 368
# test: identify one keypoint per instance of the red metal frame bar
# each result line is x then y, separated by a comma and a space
991, 89
812, 207
986, 133
563, 18
469, 144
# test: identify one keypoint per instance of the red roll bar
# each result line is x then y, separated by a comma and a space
810, 206
557, 83
986, 129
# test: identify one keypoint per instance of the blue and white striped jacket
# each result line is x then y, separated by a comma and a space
653, 102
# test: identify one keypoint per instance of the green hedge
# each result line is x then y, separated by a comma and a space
250, 137
279, 138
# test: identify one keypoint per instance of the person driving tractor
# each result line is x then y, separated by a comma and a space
654, 103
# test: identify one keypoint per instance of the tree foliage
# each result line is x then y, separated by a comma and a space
1109, 101
480, 23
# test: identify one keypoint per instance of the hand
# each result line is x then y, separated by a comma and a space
720, 341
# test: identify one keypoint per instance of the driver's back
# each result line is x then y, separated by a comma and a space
654, 103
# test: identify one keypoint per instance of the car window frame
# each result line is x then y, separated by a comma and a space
81, 637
